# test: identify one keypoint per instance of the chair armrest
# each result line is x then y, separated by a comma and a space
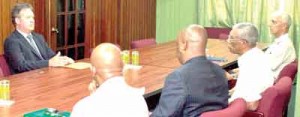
253, 114
231, 83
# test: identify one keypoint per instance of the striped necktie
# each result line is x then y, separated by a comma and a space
34, 46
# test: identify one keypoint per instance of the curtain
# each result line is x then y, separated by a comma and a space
173, 15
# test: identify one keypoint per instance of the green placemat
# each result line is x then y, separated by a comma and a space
47, 112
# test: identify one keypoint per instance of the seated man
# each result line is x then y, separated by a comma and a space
255, 73
26, 50
114, 96
198, 85
281, 52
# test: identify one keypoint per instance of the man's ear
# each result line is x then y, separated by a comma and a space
17, 20
183, 45
93, 70
286, 26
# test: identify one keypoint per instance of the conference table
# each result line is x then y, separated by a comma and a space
61, 87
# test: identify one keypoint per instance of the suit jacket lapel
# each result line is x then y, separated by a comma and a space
26, 43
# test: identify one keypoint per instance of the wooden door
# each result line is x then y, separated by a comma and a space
67, 28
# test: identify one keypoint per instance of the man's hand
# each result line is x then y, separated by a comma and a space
228, 76
58, 61
231, 91
92, 86
131, 74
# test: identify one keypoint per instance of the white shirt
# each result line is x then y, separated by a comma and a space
255, 76
114, 98
281, 52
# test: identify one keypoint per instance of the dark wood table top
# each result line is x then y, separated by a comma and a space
61, 87
164, 55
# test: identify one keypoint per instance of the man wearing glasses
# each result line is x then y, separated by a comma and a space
255, 73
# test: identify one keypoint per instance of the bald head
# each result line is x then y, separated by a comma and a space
191, 42
106, 59
196, 35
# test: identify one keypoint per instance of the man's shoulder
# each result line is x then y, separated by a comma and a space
37, 34
12, 38
83, 102
12, 35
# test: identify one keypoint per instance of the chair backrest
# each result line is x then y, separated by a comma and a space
142, 43
4, 68
235, 109
217, 33
274, 99
289, 70
231, 83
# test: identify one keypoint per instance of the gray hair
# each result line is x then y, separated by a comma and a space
248, 32
285, 18
16, 10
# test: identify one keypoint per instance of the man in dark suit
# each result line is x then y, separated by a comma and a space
26, 50
198, 85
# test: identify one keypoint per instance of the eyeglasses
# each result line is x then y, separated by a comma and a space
234, 39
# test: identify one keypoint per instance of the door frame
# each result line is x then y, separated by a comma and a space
50, 20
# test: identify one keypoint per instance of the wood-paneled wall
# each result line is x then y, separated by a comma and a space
122, 21
136, 20
116, 21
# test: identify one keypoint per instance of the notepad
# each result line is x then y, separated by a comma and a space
47, 112
6, 103
217, 59
79, 65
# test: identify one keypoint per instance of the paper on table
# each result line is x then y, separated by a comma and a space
79, 65
4, 103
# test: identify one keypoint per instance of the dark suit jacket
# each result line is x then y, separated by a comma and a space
197, 86
21, 56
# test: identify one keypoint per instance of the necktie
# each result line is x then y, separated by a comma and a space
32, 43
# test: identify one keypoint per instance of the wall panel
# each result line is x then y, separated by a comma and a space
137, 20
107, 25
121, 21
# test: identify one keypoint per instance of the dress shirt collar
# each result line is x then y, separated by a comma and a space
23, 34
197, 58
281, 38
245, 57
118, 81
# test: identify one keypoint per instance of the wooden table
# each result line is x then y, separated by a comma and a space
164, 55
61, 88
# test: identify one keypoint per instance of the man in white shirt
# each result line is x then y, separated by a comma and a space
255, 74
113, 97
281, 52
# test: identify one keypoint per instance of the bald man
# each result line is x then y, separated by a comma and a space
113, 97
198, 85
281, 52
